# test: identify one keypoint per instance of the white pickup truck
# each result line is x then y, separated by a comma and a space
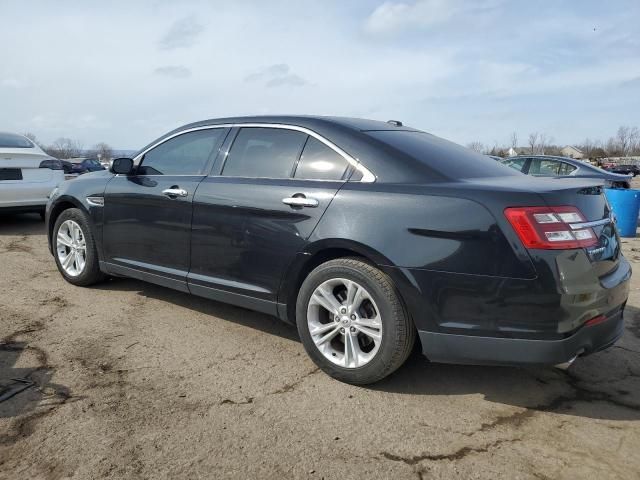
25, 181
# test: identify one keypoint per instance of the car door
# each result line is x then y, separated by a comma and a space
147, 215
252, 217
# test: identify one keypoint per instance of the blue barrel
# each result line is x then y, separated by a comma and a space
625, 203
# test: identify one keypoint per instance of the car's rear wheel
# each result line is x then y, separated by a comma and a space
352, 322
74, 248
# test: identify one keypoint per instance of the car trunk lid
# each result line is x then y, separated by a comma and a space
585, 194
18, 166
592, 203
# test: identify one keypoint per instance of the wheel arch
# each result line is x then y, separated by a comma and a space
315, 254
64, 203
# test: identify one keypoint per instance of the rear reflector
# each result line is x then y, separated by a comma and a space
549, 228
595, 321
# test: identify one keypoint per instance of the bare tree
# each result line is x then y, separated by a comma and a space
544, 142
634, 141
533, 142
612, 148
623, 138
476, 146
587, 147
514, 140
102, 151
64, 148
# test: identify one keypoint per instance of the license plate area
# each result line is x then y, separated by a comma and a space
10, 174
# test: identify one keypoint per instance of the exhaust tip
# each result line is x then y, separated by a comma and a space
565, 366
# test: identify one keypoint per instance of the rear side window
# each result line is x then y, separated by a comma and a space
186, 154
515, 163
319, 162
545, 168
264, 153
566, 169
446, 158
10, 140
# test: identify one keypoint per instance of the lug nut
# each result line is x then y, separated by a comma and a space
353, 329
343, 310
353, 317
342, 330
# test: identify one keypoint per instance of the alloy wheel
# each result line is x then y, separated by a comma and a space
344, 322
71, 248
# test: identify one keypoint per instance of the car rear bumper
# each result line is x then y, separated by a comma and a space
14, 194
467, 349
487, 320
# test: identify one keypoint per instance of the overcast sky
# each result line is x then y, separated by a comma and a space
125, 72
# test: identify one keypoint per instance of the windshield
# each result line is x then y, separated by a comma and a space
10, 140
446, 158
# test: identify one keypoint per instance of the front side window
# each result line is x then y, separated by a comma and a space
262, 152
545, 168
186, 154
319, 162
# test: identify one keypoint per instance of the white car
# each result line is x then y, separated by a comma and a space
25, 181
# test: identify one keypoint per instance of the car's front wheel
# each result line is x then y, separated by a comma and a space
352, 322
74, 248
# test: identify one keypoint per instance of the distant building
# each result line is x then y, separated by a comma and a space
512, 152
572, 152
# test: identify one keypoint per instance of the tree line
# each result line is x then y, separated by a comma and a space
625, 143
64, 148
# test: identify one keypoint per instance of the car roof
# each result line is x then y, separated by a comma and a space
349, 134
308, 121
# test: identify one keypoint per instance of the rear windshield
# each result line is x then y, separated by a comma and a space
10, 140
446, 158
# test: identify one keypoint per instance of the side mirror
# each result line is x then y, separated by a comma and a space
122, 166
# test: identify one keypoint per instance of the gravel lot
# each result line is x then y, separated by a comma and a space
138, 381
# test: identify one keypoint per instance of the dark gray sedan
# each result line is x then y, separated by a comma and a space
551, 166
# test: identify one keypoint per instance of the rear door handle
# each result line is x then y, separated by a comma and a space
300, 201
174, 192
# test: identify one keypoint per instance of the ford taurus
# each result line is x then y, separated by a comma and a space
368, 236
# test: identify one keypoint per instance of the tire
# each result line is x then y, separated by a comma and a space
381, 306
90, 273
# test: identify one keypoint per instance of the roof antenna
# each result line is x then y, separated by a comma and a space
395, 123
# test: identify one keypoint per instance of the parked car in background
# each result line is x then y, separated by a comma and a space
26, 175
90, 165
625, 169
83, 165
552, 166
53, 164
70, 168
364, 234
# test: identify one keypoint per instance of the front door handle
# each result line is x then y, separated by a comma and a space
299, 200
174, 192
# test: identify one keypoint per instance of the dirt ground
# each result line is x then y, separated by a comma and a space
137, 381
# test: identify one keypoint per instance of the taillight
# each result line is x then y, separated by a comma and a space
550, 228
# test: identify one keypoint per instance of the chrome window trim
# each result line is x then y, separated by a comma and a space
367, 176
